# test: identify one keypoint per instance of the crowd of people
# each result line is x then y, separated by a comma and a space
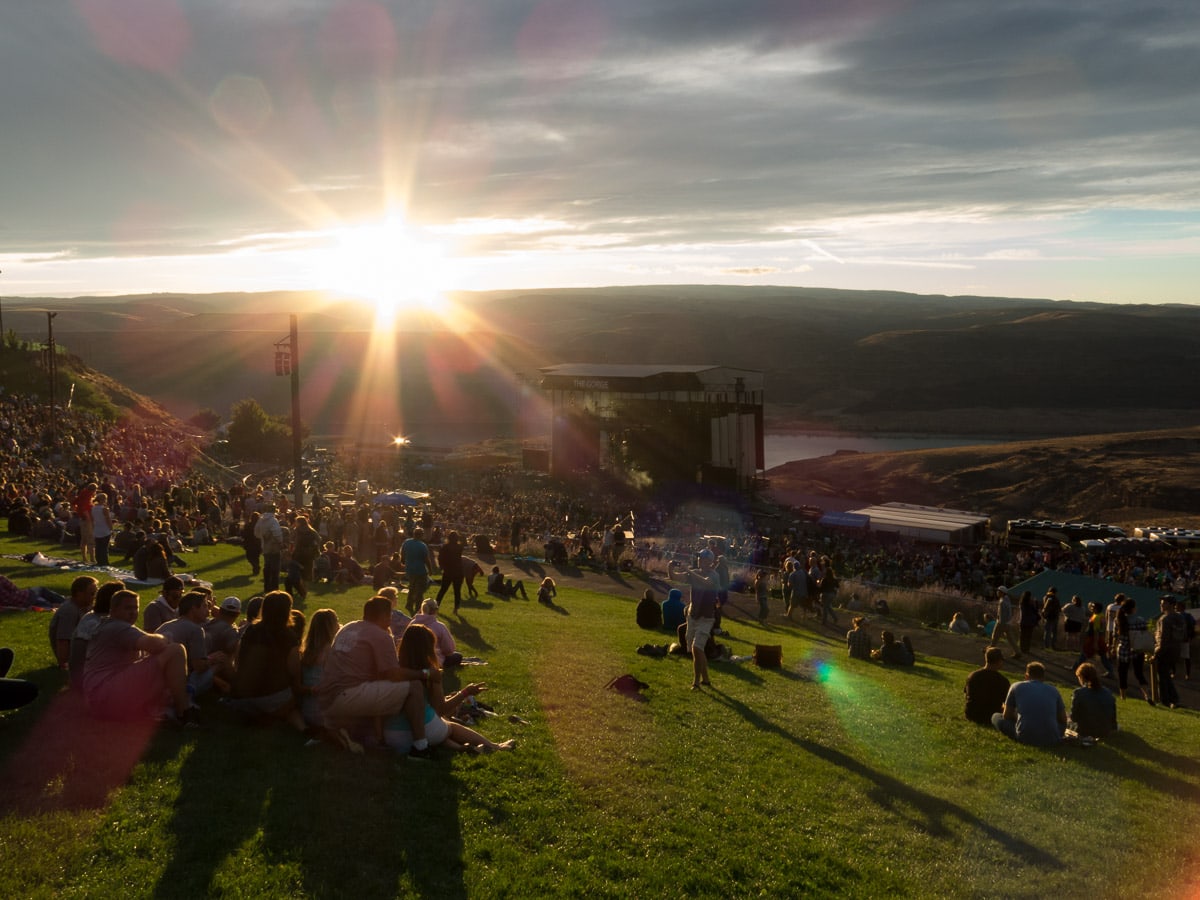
125, 493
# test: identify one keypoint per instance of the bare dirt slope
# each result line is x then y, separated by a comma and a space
1150, 477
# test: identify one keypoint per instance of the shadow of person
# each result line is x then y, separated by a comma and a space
308, 818
462, 630
927, 812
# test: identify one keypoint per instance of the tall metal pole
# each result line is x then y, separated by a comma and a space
52, 367
296, 483
2, 341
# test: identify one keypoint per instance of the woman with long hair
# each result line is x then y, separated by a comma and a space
1093, 708
418, 651
313, 652
1128, 624
268, 664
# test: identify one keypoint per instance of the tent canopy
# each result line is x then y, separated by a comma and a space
400, 498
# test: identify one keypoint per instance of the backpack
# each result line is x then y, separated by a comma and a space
627, 685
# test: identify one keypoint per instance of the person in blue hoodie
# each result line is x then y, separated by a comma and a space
673, 614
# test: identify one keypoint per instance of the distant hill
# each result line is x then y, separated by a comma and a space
1140, 478
858, 360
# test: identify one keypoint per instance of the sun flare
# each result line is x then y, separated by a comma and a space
392, 265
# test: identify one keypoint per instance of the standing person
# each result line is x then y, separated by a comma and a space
270, 537
1051, 608
414, 552
1004, 621
1093, 643
701, 614
762, 592
82, 507
450, 561
251, 545
1029, 619
130, 674
1169, 636
102, 528
306, 546
1074, 615
829, 588
798, 580
1129, 624
785, 586
986, 688
1034, 712
1185, 649
816, 575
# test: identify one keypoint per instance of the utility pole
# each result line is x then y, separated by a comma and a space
296, 437
287, 362
52, 368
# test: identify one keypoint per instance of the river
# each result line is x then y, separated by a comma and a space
781, 448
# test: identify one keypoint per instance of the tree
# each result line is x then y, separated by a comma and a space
206, 419
257, 436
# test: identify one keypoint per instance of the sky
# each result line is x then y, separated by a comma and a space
408, 147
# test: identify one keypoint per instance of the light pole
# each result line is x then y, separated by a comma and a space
2, 341
287, 362
52, 367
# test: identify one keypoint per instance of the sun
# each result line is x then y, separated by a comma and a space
392, 265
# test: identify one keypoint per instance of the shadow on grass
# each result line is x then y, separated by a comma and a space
927, 812
530, 567
340, 822
464, 631
1127, 755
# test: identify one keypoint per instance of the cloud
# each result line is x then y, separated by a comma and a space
561, 126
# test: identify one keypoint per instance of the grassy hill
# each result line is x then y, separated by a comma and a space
827, 778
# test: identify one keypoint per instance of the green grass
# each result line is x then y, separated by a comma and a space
826, 778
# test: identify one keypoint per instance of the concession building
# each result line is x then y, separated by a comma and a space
672, 423
929, 524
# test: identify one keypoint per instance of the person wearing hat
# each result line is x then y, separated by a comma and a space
222, 636
701, 614
1004, 622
